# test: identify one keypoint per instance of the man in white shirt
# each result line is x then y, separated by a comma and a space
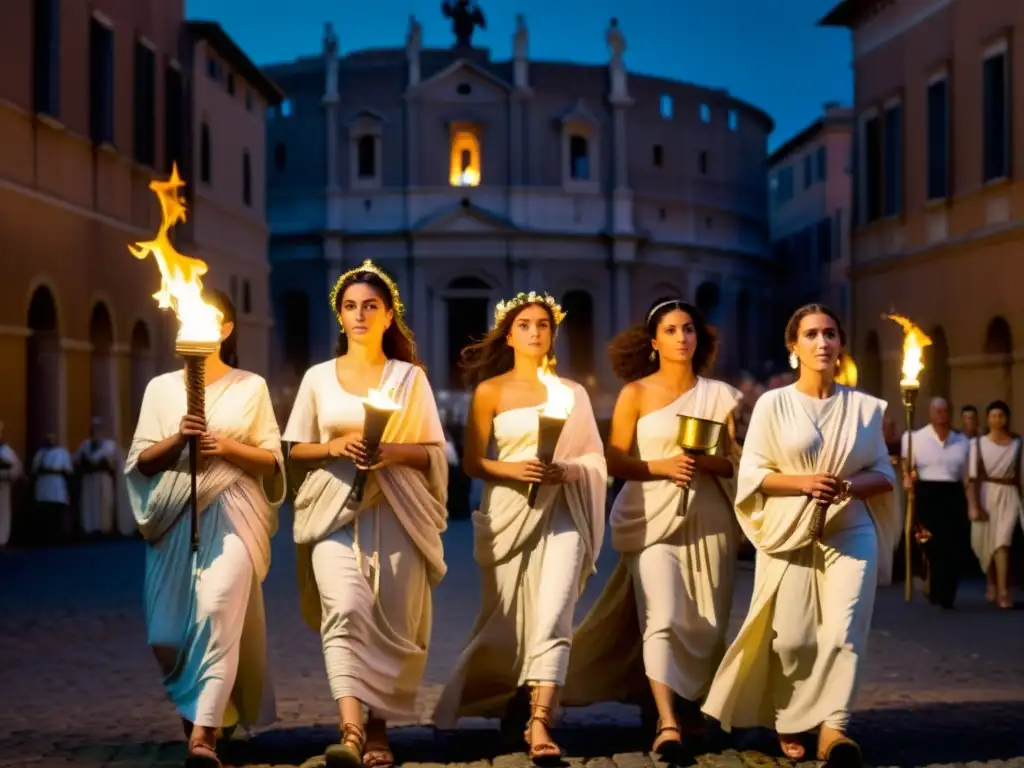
938, 476
51, 471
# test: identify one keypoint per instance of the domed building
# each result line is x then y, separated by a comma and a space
471, 179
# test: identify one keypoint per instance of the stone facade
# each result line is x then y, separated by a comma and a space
939, 206
470, 179
94, 103
809, 214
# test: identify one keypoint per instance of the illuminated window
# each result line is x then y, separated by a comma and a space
465, 160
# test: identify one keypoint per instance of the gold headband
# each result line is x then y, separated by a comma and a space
369, 266
522, 299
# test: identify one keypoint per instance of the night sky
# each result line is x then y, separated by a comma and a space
766, 52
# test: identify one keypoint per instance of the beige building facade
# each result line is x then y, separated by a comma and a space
809, 190
95, 101
938, 201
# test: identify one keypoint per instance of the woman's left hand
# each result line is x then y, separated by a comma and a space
212, 444
555, 473
385, 456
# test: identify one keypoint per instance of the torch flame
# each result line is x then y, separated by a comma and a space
381, 399
180, 286
847, 375
914, 342
560, 397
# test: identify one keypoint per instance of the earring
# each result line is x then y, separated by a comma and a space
653, 355
794, 361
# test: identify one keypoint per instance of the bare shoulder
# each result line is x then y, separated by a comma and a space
488, 390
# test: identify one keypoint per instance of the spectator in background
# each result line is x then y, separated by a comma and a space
969, 421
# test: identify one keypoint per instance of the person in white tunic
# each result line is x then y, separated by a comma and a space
660, 622
535, 558
368, 567
10, 472
51, 471
994, 500
815, 496
204, 613
99, 462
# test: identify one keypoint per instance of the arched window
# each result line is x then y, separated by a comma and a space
465, 160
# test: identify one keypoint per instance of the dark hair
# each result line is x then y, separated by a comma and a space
630, 351
998, 405
492, 356
971, 409
793, 326
398, 342
228, 347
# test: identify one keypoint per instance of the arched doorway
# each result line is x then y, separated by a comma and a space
708, 300
936, 364
42, 370
871, 365
102, 378
467, 303
295, 332
578, 328
745, 336
999, 344
141, 366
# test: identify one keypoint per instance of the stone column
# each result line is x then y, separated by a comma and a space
331, 101
518, 137
620, 101
413, 46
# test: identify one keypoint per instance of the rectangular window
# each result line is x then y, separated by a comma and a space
231, 83
705, 113
893, 153
174, 118
101, 82
872, 169
734, 120
808, 171
46, 59
822, 163
825, 240
144, 105
702, 162
579, 166
938, 139
366, 157
658, 155
246, 178
665, 105
996, 115
856, 181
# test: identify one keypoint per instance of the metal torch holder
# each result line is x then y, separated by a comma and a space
375, 422
195, 354
549, 430
909, 396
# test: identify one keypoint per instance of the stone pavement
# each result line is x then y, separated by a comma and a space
78, 685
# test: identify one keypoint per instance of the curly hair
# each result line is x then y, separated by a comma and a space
228, 347
630, 351
492, 356
399, 342
793, 326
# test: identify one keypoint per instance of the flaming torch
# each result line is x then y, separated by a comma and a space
378, 407
199, 323
914, 342
552, 417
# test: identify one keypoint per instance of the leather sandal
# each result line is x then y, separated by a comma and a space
377, 753
347, 753
542, 753
791, 746
844, 752
669, 744
201, 755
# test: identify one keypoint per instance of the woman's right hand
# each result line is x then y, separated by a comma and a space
824, 487
351, 446
190, 426
679, 469
530, 471
977, 514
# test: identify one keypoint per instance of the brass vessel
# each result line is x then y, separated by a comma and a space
699, 435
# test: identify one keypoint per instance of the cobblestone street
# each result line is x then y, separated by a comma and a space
78, 685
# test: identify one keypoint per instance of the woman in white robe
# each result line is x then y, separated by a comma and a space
535, 558
368, 567
660, 622
204, 612
815, 496
10, 472
994, 500
99, 462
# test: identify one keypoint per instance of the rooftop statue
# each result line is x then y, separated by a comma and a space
466, 17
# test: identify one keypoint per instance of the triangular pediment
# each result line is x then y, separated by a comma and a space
464, 220
580, 113
463, 69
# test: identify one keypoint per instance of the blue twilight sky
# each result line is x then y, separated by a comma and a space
768, 52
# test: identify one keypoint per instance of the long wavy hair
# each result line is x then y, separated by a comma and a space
630, 351
399, 342
228, 347
492, 356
